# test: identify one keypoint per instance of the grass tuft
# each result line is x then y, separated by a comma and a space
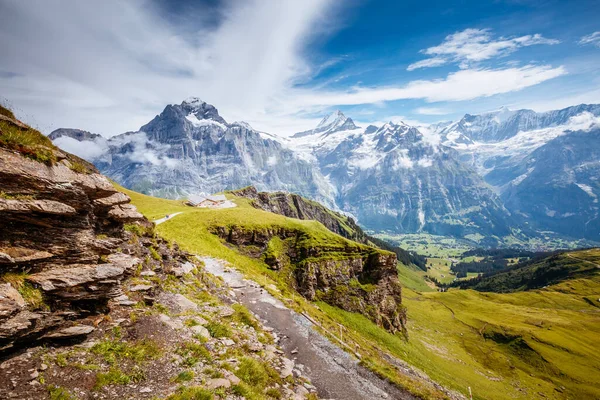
191, 393
32, 295
218, 330
115, 376
112, 350
59, 393
184, 376
27, 141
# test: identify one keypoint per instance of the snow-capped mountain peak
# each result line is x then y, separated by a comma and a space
336, 118
334, 122
193, 101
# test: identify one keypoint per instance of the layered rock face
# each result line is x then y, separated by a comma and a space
63, 248
351, 276
62, 240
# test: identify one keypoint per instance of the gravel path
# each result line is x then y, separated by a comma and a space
334, 373
160, 221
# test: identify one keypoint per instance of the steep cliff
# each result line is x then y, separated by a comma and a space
343, 273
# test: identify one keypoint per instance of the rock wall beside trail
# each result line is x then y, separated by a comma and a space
356, 278
63, 249
295, 206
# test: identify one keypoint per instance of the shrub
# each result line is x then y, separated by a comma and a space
191, 393
58, 393
115, 376
184, 376
218, 330
112, 350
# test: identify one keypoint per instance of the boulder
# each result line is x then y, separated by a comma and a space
201, 331
125, 213
176, 303
11, 301
218, 383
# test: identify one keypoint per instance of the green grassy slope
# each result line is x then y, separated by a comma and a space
540, 343
535, 344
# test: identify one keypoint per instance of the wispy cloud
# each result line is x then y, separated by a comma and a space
427, 63
111, 66
431, 111
593, 39
465, 84
475, 45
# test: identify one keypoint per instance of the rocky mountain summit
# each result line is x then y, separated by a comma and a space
542, 165
189, 148
331, 123
392, 178
94, 304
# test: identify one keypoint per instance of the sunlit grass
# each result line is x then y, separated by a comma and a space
449, 333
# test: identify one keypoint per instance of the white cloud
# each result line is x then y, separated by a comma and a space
146, 152
88, 150
461, 85
426, 63
431, 111
110, 66
474, 45
585, 121
593, 39
561, 100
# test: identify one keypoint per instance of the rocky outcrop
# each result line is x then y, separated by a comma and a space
295, 206
63, 249
345, 274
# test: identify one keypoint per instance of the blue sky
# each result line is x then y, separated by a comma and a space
110, 66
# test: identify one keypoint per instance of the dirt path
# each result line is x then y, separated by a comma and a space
582, 260
160, 221
334, 373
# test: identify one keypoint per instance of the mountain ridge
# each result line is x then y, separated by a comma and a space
389, 177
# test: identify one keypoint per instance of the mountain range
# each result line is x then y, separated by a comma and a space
487, 177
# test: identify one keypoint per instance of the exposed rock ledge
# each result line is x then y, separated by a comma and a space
63, 250
355, 278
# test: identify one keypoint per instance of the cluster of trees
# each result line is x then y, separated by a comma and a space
501, 253
486, 265
404, 256
543, 269
494, 260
